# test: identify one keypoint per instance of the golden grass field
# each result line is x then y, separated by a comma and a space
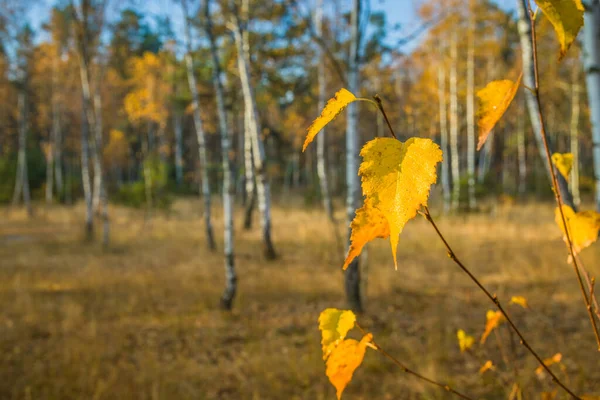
141, 320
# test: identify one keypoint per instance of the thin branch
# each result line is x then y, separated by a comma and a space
409, 371
494, 299
557, 194
380, 107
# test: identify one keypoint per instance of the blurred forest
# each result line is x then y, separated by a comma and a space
130, 139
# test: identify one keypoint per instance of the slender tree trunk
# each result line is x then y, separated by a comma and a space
22, 179
591, 62
485, 160
454, 123
258, 150
296, 169
202, 153
444, 133
353, 195
178, 128
56, 129
574, 135
250, 186
228, 186
98, 162
50, 169
522, 150
471, 108
85, 176
524, 26
322, 137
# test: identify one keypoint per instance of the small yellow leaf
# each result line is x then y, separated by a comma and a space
334, 325
549, 395
396, 178
487, 366
566, 17
555, 359
583, 227
333, 107
494, 100
369, 223
344, 360
493, 320
465, 341
520, 300
564, 163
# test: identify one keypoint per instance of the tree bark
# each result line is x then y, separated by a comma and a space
250, 186
353, 194
202, 153
258, 150
524, 26
454, 123
56, 130
522, 150
22, 179
471, 108
444, 133
85, 177
574, 136
591, 62
228, 186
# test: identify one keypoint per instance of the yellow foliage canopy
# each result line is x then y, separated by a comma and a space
564, 163
333, 107
334, 325
493, 320
566, 17
583, 227
344, 360
396, 178
465, 341
494, 100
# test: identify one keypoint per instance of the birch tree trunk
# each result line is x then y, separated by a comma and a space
485, 159
258, 150
99, 145
524, 26
322, 137
228, 185
591, 62
444, 132
178, 128
250, 187
471, 108
56, 130
454, 122
202, 153
574, 135
85, 176
353, 194
49, 154
22, 179
522, 150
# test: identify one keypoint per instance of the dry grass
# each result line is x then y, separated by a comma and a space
142, 320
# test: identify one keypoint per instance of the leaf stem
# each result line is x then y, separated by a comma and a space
495, 300
557, 194
409, 371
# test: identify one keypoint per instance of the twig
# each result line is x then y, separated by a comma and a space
495, 300
380, 107
409, 371
557, 194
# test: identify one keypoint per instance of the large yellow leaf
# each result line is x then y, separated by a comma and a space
583, 226
369, 223
344, 360
333, 107
567, 18
493, 320
494, 100
564, 163
334, 325
464, 341
396, 178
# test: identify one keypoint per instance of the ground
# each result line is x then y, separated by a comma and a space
141, 319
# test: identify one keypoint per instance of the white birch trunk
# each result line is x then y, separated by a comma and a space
591, 61
574, 136
202, 153
522, 150
22, 179
56, 130
455, 166
444, 133
353, 190
228, 186
250, 186
471, 109
258, 150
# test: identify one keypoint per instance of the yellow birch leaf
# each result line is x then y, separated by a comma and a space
493, 320
465, 341
494, 100
396, 178
368, 223
555, 359
334, 325
566, 16
583, 227
564, 163
520, 300
333, 107
344, 360
487, 366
